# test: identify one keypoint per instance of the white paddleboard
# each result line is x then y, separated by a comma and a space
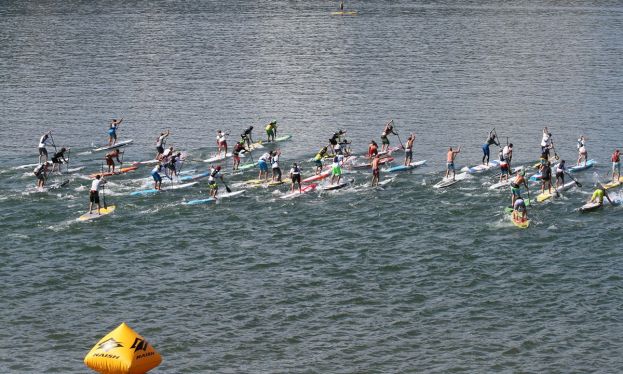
117, 145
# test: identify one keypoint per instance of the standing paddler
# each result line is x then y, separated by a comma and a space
388, 129
376, 171
546, 177
112, 131
155, 173
516, 183
616, 165
491, 139
239, 147
262, 163
271, 131
336, 171
409, 149
94, 195
160, 143
110, 159
546, 143
582, 153
450, 157
215, 173
43, 141
318, 159
295, 177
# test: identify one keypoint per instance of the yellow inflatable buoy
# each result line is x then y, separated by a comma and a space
122, 351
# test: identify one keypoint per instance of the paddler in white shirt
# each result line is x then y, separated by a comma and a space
221, 142
43, 152
546, 143
94, 195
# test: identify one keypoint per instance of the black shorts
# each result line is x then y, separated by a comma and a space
160, 150
43, 152
56, 160
94, 197
296, 178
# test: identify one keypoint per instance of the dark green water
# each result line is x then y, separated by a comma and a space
401, 279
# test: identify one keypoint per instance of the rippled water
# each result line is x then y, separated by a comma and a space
400, 279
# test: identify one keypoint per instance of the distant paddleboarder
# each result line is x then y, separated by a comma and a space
239, 147
582, 153
215, 173
110, 159
616, 165
336, 171
409, 149
155, 173
94, 194
546, 143
43, 141
271, 131
519, 207
112, 131
246, 136
160, 143
376, 172
221, 143
373, 149
59, 159
491, 139
274, 165
295, 177
388, 129
41, 172
450, 157
516, 183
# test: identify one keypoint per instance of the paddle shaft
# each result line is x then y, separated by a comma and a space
53, 142
573, 179
226, 186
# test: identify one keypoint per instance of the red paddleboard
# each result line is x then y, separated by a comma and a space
318, 177
117, 172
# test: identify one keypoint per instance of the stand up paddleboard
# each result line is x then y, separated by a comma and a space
589, 207
480, 168
447, 182
546, 195
411, 166
111, 173
166, 188
296, 192
577, 168
116, 145
93, 215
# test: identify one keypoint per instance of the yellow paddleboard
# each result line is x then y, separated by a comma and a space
517, 221
103, 212
544, 196
614, 184
344, 13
